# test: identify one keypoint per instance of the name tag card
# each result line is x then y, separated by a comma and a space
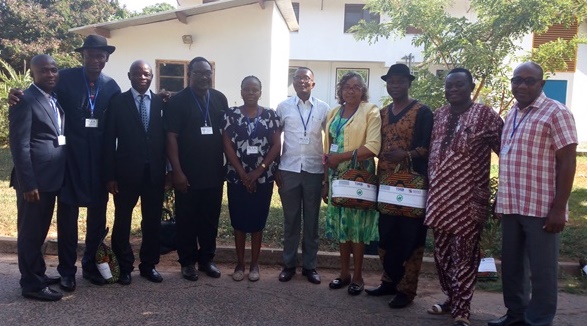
206, 130
91, 123
505, 149
252, 150
60, 140
304, 140
333, 148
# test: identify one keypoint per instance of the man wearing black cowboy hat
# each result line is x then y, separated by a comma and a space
84, 93
406, 126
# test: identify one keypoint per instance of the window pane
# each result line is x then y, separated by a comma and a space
171, 69
171, 84
353, 13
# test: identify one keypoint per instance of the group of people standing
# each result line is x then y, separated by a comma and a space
126, 143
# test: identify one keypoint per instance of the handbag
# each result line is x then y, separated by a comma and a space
354, 188
106, 261
403, 192
168, 231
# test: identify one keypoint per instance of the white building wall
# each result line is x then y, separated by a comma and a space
280, 43
238, 49
577, 96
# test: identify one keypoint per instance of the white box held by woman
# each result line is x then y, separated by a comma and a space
354, 189
402, 196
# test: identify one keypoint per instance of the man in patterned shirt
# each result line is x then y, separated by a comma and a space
536, 171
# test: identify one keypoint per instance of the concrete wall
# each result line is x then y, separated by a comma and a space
239, 48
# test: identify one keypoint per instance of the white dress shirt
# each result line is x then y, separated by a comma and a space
297, 156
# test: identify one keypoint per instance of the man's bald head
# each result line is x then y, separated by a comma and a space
140, 75
44, 72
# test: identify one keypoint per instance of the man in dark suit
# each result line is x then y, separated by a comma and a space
37, 145
134, 166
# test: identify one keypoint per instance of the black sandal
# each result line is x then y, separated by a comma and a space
338, 283
356, 289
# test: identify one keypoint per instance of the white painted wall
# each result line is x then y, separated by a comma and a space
577, 96
241, 48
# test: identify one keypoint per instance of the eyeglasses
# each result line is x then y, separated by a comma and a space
355, 88
304, 79
529, 81
201, 73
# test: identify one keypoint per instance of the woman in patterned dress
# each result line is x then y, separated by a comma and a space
251, 145
355, 125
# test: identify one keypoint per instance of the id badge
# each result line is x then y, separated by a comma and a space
251, 150
304, 140
60, 140
505, 149
333, 148
91, 123
206, 130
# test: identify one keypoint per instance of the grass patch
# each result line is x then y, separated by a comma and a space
573, 239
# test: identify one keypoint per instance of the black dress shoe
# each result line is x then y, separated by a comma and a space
45, 294
94, 277
338, 283
125, 278
356, 289
311, 275
152, 275
67, 283
189, 273
286, 274
401, 300
507, 320
52, 280
210, 269
384, 288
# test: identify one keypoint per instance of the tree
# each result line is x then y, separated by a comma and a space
485, 44
9, 78
31, 27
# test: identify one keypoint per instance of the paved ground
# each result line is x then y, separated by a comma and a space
226, 302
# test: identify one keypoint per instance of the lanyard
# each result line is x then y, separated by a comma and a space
207, 114
92, 98
340, 123
254, 131
308, 119
521, 120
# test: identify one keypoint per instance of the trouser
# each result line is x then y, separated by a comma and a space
197, 213
401, 247
300, 192
67, 235
528, 250
151, 203
33, 221
457, 260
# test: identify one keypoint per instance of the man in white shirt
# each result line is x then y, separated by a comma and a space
301, 174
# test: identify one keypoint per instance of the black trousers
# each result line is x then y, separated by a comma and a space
151, 203
33, 223
400, 237
67, 216
197, 213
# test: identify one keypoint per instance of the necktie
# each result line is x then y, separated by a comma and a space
53, 104
143, 112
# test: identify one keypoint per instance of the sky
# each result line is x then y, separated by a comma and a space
137, 5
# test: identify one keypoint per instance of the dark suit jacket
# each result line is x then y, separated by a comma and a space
124, 161
39, 162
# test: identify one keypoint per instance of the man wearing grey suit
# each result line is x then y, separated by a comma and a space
37, 145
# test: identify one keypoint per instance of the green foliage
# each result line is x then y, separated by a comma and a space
9, 78
484, 42
31, 27
427, 88
158, 7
